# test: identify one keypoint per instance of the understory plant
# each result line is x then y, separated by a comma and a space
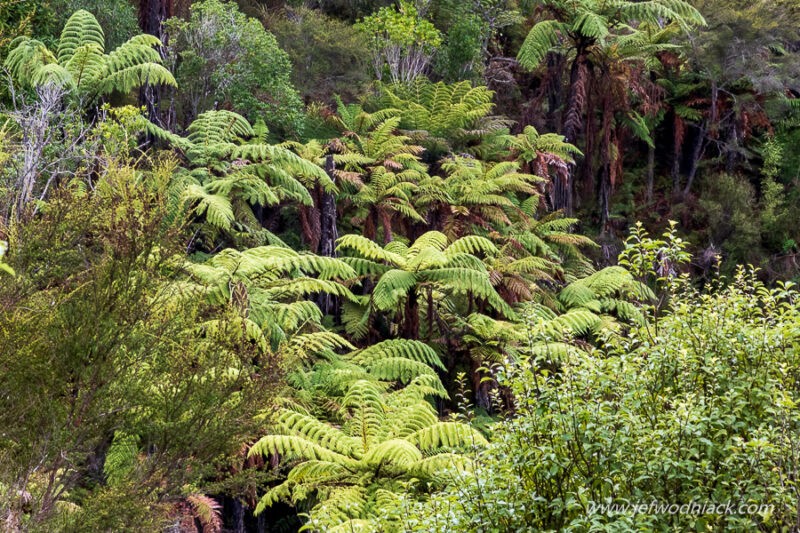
700, 410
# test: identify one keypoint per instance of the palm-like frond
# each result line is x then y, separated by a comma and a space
81, 62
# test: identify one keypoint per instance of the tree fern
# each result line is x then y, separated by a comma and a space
227, 159
444, 117
540, 40
347, 474
426, 265
81, 64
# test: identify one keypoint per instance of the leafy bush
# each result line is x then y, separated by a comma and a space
327, 55
401, 41
224, 59
696, 407
100, 333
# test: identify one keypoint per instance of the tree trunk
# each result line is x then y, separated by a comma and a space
604, 198
573, 123
651, 172
386, 223
697, 153
152, 14
369, 224
703, 130
328, 234
411, 318
555, 67
328, 230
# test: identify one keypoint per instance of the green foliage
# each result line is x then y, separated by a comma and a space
700, 412
120, 458
460, 56
730, 217
350, 470
224, 59
116, 332
231, 171
445, 117
379, 170
81, 65
654, 261
430, 268
401, 41
118, 18
3, 265
594, 21
484, 195
327, 55
164, 336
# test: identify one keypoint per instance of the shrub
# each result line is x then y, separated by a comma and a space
696, 407
224, 59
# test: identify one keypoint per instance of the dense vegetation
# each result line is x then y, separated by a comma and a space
425, 265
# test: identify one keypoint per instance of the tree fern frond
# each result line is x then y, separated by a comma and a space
398, 369
472, 244
120, 458
392, 287
368, 249
80, 29
575, 321
412, 350
294, 447
540, 40
217, 209
393, 451
442, 466
323, 434
447, 435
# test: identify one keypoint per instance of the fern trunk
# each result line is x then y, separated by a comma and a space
677, 155
573, 124
651, 172
411, 316
328, 234
152, 14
